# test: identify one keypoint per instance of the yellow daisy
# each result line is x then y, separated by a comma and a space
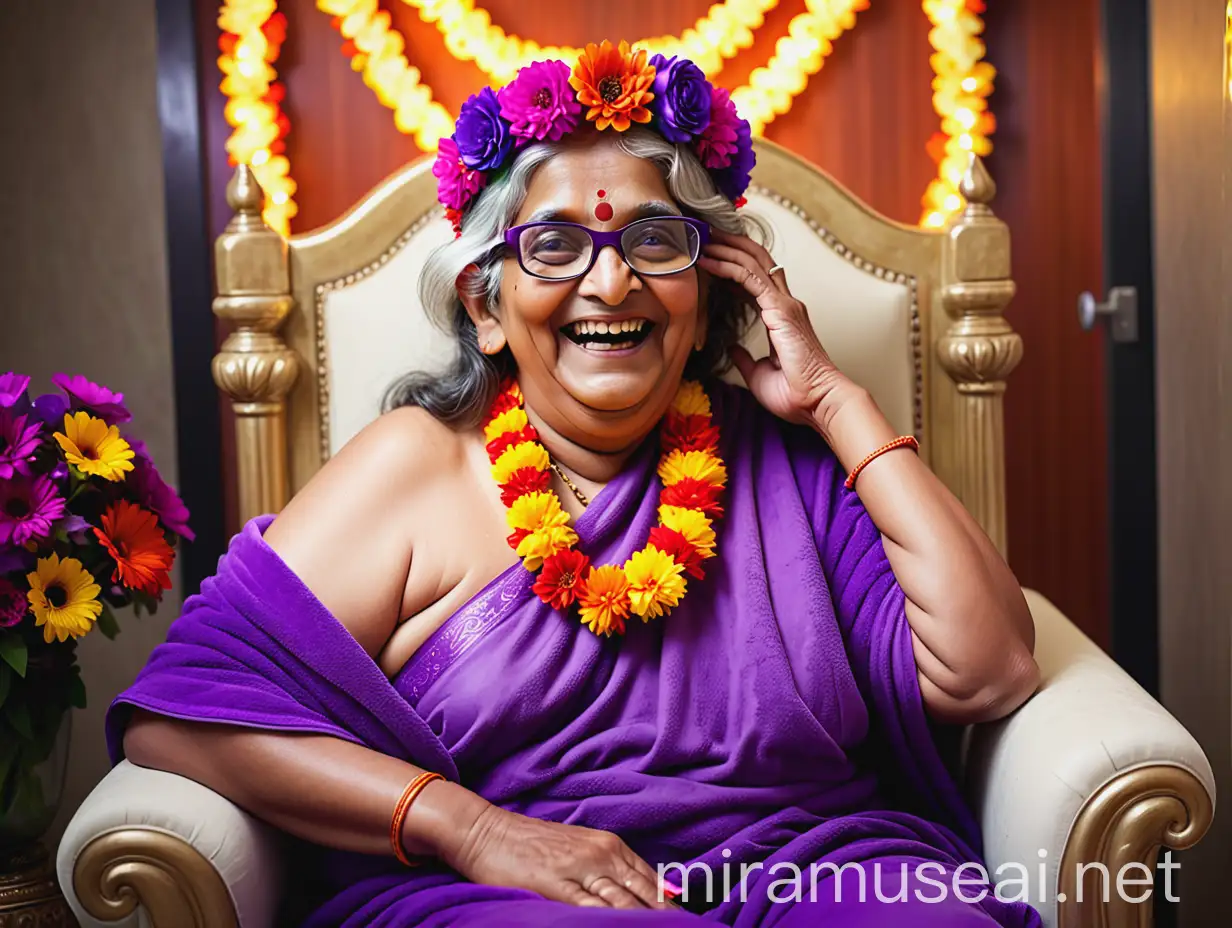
603, 602
655, 582
543, 543
700, 465
511, 420
527, 454
691, 400
63, 597
692, 524
94, 447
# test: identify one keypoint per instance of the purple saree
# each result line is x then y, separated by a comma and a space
774, 718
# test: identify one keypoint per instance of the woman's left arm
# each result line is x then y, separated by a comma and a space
972, 633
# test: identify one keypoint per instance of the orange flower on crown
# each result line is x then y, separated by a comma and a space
133, 539
615, 83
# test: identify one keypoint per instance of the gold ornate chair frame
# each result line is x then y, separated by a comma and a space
1090, 771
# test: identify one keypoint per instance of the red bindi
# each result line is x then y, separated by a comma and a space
603, 212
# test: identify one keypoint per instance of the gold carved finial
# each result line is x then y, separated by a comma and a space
246, 198
254, 366
979, 349
977, 185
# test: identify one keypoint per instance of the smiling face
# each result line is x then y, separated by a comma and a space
600, 356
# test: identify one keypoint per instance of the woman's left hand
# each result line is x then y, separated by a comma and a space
797, 379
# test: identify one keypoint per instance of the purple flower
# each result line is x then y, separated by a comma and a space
51, 407
717, 144
98, 399
154, 493
18, 442
539, 104
15, 560
27, 509
12, 388
682, 98
483, 138
733, 180
13, 604
455, 182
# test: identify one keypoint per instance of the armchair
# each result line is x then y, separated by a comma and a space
1090, 771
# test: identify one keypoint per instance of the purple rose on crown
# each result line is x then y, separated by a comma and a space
483, 138
682, 98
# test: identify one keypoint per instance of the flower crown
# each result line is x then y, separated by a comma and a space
616, 87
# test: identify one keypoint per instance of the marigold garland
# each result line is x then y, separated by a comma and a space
252, 37
652, 581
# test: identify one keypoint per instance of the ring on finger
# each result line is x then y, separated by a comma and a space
775, 269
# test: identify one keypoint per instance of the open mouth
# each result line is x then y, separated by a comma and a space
600, 335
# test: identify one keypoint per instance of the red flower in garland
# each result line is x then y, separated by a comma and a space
670, 541
505, 401
498, 444
689, 433
561, 579
524, 480
691, 493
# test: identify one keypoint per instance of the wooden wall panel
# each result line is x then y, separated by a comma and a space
866, 118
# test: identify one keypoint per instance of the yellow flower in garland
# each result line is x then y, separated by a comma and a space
700, 465
655, 583
94, 447
535, 511
63, 597
511, 420
603, 602
526, 454
692, 524
542, 543
691, 400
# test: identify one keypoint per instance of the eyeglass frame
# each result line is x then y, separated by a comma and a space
600, 240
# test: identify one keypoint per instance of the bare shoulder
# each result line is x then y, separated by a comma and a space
348, 534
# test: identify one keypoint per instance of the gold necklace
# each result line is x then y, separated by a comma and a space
581, 497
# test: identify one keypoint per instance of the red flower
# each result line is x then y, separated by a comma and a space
689, 433
515, 537
670, 541
498, 444
691, 493
503, 403
561, 579
136, 543
524, 480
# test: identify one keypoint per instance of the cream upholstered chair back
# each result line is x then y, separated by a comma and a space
325, 321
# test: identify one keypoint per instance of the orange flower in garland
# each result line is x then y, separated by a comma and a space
133, 539
615, 83
652, 581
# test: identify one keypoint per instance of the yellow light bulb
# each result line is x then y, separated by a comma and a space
969, 84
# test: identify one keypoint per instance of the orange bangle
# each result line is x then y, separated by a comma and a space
903, 441
412, 791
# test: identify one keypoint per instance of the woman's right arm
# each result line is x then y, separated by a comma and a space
347, 535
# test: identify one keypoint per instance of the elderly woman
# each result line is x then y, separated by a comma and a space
703, 677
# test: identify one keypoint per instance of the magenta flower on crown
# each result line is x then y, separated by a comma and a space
455, 182
12, 388
717, 143
96, 398
539, 104
18, 441
27, 509
13, 604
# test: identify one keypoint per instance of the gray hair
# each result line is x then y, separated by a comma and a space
462, 394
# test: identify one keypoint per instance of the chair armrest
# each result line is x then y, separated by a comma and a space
1090, 770
166, 844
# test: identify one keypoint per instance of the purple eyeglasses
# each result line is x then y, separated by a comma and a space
653, 247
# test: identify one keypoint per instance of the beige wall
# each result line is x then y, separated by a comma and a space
83, 261
1193, 268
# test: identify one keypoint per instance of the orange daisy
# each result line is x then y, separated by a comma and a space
133, 539
604, 600
615, 83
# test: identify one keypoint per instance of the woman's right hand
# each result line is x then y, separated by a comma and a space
566, 863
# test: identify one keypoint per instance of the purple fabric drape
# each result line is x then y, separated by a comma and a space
774, 718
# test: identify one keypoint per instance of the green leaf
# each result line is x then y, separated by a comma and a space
9, 752
107, 623
77, 692
143, 601
13, 652
6, 682
19, 717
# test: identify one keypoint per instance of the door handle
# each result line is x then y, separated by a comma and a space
1121, 311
